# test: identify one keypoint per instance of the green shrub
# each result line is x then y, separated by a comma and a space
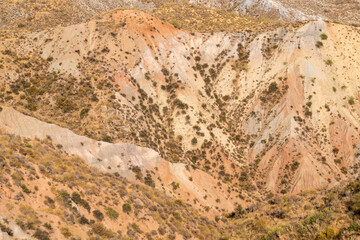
137, 171
273, 87
226, 98
355, 203
273, 233
41, 235
330, 233
64, 104
295, 165
113, 214
354, 227
136, 227
149, 181
64, 194
165, 72
85, 204
76, 197
106, 138
31, 104
83, 220
319, 44
84, 112
179, 202
175, 185
323, 36
177, 215
25, 189
351, 101
28, 218
78, 200
260, 225
311, 219
239, 210
65, 232
329, 62
34, 91
99, 229
126, 207
98, 215
6, 229
48, 226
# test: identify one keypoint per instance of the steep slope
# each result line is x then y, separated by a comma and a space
161, 129
312, 118
129, 161
244, 106
47, 194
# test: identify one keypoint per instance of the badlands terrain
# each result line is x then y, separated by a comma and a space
179, 120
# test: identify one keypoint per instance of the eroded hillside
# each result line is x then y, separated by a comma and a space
233, 105
195, 120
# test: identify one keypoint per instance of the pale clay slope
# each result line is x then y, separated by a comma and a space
299, 56
117, 157
309, 61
